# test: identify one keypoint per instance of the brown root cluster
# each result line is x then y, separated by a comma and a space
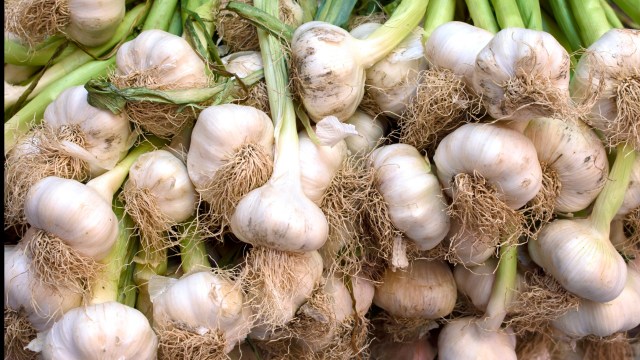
541, 208
626, 126
58, 265
541, 301
18, 332
248, 168
43, 157
403, 329
613, 347
178, 342
535, 345
379, 17
257, 97
237, 33
632, 230
481, 211
35, 20
441, 104
368, 104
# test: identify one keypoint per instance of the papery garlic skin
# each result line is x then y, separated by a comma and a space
604, 319
75, 213
342, 304
576, 155
107, 136
632, 195
514, 52
42, 304
505, 157
580, 259
454, 46
166, 178
412, 193
464, 338
476, 282
219, 132
318, 165
392, 81
370, 132
92, 23
113, 330
169, 58
427, 290
243, 63
204, 301
470, 249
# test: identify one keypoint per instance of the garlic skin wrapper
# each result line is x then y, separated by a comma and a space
243, 63
427, 290
606, 318
632, 195
613, 60
505, 157
73, 212
476, 282
580, 258
111, 329
518, 70
454, 46
167, 180
107, 137
468, 248
203, 301
43, 305
413, 194
464, 338
91, 22
392, 80
219, 132
318, 165
370, 130
576, 155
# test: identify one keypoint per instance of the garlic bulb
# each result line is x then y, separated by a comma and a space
370, 130
427, 290
605, 318
111, 329
318, 165
467, 247
464, 338
580, 258
608, 69
476, 282
412, 193
506, 158
522, 74
92, 23
575, 157
392, 80
243, 63
43, 305
455, 45
632, 195
202, 302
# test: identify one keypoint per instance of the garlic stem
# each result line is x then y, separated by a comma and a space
108, 183
482, 15
507, 14
631, 8
550, 26
612, 195
385, 38
18, 54
591, 20
567, 22
262, 20
106, 286
160, 15
530, 14
503, 288
193, 254
438, 13
611, 15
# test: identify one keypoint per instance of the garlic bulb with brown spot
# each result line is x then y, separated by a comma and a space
464, 338
426, 290
413, 194
318, 165
523, 74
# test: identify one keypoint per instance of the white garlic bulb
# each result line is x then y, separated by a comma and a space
464, 338
412, 193
318, 165
476, 282
576, 156
93, 23
370, 130
113, 330
468, 247
427, 290
522, 74
243, 63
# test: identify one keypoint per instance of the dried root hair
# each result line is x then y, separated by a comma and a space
442, 103
368, 104
631, 222
152, 225
315, 320
481, 211
404, 329
249, 167
540, 209
613, 347
179, 341
18, 332
22, 169
542, 300
535, 345
257, 97
35, 20
236, 32
378, 17
270, 282
342, 204
59, 266
162, 120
